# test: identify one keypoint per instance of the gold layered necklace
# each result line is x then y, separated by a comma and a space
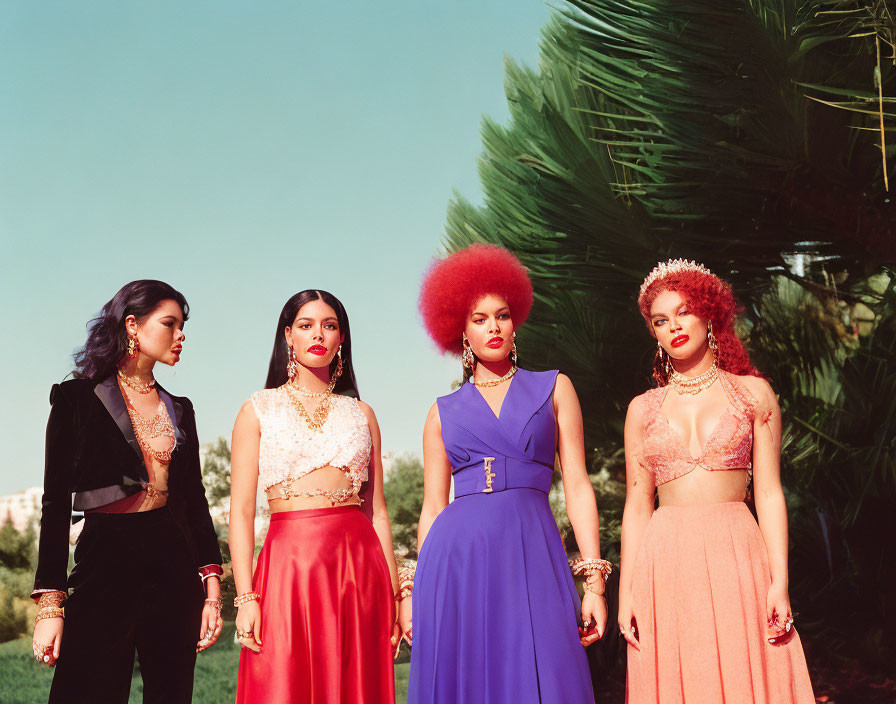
495, 382
318, 417
694, 385
141, 387
148, 428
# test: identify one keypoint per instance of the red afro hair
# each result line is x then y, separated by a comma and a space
710, 299
452, 286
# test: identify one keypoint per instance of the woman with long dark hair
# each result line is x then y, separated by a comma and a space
317, 622
128, 452
703, 598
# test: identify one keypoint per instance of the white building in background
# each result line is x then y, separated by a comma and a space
21, 508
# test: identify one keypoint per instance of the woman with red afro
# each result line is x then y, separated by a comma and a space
703, 597
495, 607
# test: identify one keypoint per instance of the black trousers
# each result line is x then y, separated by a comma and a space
135, 590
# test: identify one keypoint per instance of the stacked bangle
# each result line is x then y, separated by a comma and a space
406, 580
51, 599
50, 605
595, 572
246, 598
49, 612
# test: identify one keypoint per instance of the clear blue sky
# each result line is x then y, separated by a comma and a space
240, 151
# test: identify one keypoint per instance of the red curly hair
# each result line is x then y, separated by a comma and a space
710, 299
452, 286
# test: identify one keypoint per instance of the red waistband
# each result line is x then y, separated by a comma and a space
312, 512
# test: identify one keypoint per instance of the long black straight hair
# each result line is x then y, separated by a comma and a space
107, 338
280, 356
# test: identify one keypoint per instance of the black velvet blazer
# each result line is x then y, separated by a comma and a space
93, 457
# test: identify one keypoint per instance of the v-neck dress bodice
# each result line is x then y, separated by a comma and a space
513, 450
495, 607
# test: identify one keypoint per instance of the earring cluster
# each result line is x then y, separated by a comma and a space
712, 341
662, 360
469, 361
292, 364
467, 358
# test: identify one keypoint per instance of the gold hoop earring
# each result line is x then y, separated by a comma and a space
133, 345
513, 355
467, 357
338, 372
292, 364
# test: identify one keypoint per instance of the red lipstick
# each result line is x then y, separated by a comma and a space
680, 340
319, 350
495, 343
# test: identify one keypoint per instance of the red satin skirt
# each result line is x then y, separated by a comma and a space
326, 613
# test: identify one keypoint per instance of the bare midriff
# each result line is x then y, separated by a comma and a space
701, 487
331, 480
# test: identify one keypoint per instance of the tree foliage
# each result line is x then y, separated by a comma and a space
403, 488
216, 472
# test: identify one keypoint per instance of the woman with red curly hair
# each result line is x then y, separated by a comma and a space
703, 596
495, 608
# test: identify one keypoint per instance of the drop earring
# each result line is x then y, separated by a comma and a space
292, 365
467, 357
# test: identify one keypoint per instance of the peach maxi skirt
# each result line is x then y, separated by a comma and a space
699, 595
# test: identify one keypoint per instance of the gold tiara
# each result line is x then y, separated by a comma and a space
673, 266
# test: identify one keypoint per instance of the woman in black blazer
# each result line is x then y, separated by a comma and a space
125, 452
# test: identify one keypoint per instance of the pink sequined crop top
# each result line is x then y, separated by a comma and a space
729, 446
289, 449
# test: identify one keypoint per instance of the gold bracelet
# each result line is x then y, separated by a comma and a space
246, 598
589, 566
51, 599
49, 612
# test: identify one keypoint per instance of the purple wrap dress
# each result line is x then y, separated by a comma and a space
495, 608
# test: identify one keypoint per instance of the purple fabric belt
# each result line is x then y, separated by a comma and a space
486, 475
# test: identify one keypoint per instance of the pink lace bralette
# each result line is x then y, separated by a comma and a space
729, 446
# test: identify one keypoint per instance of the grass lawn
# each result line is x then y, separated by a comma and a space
22, 681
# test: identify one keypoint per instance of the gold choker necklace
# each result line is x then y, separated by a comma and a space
315, 394
141, 387
694, 385
495, 382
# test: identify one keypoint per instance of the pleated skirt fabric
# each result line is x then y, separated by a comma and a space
326, 613
699, 591
495, 608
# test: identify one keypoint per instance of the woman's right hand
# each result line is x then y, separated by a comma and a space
248, 626
47, 640
628, 624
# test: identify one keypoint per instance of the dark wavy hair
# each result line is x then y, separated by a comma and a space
280, 356
107, 338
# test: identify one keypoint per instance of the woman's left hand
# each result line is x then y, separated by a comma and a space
594, 618
780, 617
210, 625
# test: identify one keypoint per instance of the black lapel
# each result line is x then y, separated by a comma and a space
109, 393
